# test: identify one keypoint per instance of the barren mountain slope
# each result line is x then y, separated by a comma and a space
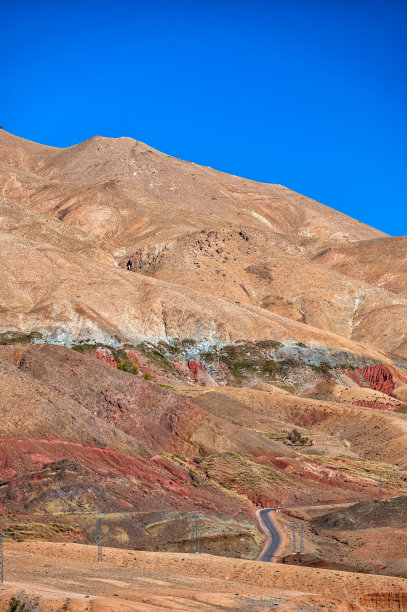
68, 298
81, 436
265, 270
20, 221
276, 410
155, 182
381, 262
153, 417
188, 225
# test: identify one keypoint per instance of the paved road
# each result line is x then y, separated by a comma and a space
271, 530
274, 535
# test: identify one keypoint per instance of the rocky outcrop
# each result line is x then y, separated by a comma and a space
195, 371
105, 355
385, 600
379, 378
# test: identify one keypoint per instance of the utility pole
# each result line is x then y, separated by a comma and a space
294, 543
2, 533
294, 546
196, 517
99, 520
2, 557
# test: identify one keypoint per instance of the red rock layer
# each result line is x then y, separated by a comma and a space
379, 378
105, 355
376, 405
101, 477
196, 371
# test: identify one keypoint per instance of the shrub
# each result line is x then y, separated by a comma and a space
128, 365
294, 436
271, 367
147, 376
82, 348
322, 368
24, 603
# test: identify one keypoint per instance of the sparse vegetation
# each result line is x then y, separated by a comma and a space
296, 438
23, 532
326, 368
290, 362
240, 358
123, 361
147, 376
157, 357
323, 368
272, 367
345, 366
83, 348
268, 344
170, 388
19, 338
128, 365
23, 602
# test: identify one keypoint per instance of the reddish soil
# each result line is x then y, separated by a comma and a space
376, 405
379, 378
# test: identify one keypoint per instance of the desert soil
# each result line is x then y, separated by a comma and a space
69, 575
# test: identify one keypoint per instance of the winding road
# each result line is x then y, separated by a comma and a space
274, 538
273, 534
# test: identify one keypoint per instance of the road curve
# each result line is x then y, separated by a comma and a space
273, 535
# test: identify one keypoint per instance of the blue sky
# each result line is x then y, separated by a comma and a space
308, 94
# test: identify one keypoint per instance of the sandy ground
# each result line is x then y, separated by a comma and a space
68, 577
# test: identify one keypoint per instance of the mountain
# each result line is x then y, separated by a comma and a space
254, 354
256, 246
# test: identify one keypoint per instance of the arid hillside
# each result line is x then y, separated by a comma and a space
106, 201
126, 190
177, 340
137, 437
381, 262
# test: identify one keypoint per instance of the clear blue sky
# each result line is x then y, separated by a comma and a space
309, 94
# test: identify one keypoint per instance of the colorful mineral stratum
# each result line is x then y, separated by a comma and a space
254, 356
